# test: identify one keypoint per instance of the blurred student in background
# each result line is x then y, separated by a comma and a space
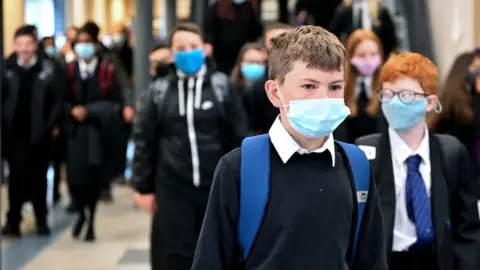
367, 15
461, 105
250, 66
67, 49
161, 61
229, 25
363, 79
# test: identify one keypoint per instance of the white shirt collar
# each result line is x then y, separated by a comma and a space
286, 146
29, 64
401, 151
87, 68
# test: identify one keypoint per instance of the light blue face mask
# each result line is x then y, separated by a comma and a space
252, 72
239, 2
50, 51
85, 50
190, 62
402, 116
316, 118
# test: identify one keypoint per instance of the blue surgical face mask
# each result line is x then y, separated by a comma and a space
239, 2
402, 116
85, 50
50, 51
316, 118
190, 62
252, 72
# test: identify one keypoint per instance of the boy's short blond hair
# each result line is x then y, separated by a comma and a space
310, 44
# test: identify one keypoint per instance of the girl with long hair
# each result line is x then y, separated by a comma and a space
250, 66
460, 98
363, 79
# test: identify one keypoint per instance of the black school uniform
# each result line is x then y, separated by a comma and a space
363, 123
310, 217
453, 199
32, 106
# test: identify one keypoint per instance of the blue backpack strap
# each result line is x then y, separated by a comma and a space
361, 173
254, 189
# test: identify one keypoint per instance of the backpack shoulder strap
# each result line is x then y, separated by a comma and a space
71, 75
106, 71
361, 174
254, 189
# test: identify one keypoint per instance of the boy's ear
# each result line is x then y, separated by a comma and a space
208, 49
433, 104
272, 91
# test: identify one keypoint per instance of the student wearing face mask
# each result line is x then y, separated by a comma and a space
296, 198
185, 122
461, 105
32, 104
95, 130
250, 66
425, 182
230, 24
363, 78
122, 48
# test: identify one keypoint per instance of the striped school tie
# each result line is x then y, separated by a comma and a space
418, 204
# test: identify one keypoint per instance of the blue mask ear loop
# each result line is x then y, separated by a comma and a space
281, 99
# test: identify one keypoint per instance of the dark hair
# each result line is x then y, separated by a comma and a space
82, 31
236, 75
187, 27
25, 30
47, 38
455, 97
92, 28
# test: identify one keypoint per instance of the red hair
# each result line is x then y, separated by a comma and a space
414, 66
354, 40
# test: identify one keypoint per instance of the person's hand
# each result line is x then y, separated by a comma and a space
56, 132
302, 17
79, 113
128, 114
147, 202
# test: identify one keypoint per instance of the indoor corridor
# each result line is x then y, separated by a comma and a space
122, 240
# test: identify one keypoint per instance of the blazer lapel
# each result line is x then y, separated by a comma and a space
385, 182
439, 192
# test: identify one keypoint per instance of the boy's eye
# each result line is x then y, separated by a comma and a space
308, 86
335, 87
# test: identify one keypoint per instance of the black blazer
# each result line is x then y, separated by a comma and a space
454, 199
342, 26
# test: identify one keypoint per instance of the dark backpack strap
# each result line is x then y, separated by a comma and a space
254, 189
106, 73
361, 173
71, 75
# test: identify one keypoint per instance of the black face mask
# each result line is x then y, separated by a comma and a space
162, 70
472, 77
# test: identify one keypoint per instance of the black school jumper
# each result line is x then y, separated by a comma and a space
309, 222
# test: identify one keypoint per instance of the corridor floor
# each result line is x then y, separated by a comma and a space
122, 241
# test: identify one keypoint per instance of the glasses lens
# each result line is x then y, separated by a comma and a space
406, 96
385, 95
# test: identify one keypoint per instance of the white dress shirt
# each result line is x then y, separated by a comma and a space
28, 64
286, 146
366, 19
404, 232
87, 68
368, 86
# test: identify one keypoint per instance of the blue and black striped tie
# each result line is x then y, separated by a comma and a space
418, 204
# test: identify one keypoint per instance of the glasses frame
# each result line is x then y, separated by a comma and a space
399, 94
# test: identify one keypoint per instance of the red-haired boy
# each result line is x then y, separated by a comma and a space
424, 180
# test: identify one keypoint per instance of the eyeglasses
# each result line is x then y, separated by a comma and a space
405, 96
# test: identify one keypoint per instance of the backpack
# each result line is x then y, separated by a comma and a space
220, 86
255, 186
105, 76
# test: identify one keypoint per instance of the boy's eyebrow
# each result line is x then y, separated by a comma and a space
337, 81
315, 81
